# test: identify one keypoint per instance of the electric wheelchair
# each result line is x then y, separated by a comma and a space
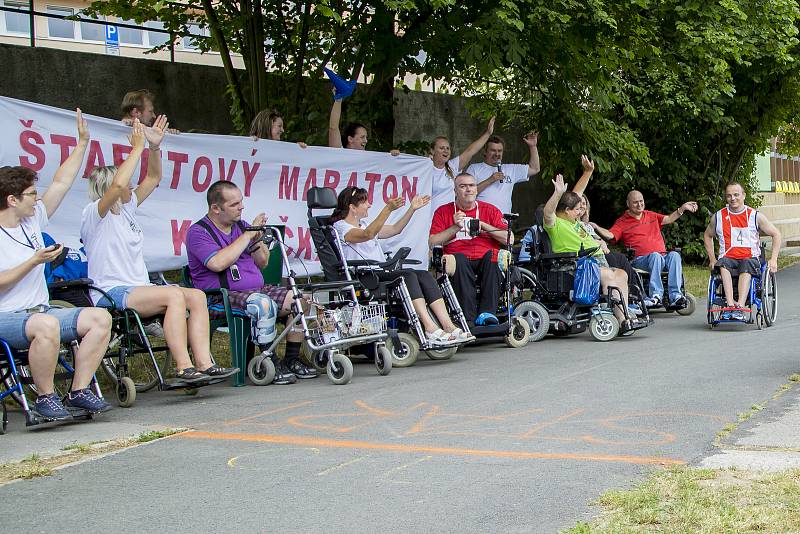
406, 335
762, 300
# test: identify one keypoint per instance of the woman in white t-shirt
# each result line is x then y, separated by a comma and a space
361, 242
115, 249
445, 169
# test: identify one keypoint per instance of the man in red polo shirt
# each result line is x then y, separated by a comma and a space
476, 256
640, 230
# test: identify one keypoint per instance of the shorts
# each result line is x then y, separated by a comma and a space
12, 325
737, 267
119, 296
238, 300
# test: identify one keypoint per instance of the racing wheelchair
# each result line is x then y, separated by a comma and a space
762, 300
406, 334
549, 279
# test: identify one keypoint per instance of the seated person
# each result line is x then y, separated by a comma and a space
736, 227
26, 319
476, 257
222, 254
567, 234
640, 230
361, 243
115, 249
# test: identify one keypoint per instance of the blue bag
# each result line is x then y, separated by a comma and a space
587, 281
70, 265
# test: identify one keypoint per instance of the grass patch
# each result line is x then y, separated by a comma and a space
685, 499
36, 466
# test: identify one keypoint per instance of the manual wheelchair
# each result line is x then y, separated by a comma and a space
762, 300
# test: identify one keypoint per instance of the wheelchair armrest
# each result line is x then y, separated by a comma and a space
328, 286
559, 256
410, 262
64, 284
362, 263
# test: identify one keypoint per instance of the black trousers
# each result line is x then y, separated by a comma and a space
472, 273
420, 284
620, 261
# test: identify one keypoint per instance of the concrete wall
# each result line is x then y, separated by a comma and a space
193, 96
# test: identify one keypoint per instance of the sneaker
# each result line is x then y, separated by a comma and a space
215, 371
191, 375
725, 315
737, 315
679, 302
50, 407
652, 302
635, 309
154, 329
302, 371
282, 375
85, 399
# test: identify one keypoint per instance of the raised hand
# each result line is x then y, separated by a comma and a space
588, 165
559, 184
490, 126
395, 203
155, 133
690, 206
137, 138
419, 201
531, 138
83, 126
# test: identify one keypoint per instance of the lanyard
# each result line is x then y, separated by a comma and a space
29, 244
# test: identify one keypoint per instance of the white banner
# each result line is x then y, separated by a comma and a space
274, 177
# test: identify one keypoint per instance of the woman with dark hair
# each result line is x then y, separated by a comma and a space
445, 169
268, 124
361, 242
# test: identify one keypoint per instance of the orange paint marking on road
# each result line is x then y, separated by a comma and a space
270, 412
551, 422
307, 441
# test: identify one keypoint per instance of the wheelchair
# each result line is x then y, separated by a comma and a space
548, 278
685, 309
15, 378
130, 373
763, 298
406, 335
329, 329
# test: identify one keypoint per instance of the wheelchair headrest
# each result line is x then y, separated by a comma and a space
539, 215
321, 198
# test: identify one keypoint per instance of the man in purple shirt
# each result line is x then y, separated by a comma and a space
222, 254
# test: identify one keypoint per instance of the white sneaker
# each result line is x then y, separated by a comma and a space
652, 302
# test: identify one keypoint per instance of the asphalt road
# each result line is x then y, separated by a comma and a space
495, 440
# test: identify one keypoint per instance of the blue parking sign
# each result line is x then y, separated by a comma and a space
112, 40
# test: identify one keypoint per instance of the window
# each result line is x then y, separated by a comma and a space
129, 36
14, 22
194, 29
91, 31
156, 38
62, 29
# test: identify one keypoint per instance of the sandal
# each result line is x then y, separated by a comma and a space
461, 336
440, 337
191, 375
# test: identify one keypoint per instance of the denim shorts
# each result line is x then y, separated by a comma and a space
119, 295
12, 325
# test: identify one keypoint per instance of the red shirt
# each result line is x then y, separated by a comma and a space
473, 248
642, 235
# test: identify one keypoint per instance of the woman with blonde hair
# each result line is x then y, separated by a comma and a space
115, 249
268, 124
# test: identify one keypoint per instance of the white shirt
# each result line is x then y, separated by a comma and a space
443, 190
499, 193
368, 250
17, 245
114, 247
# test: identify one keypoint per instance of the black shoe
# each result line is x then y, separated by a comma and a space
85, 399
679, 302
215, 371
190, 375
283, 376
301, 370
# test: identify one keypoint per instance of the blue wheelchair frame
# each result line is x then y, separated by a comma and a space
762, 299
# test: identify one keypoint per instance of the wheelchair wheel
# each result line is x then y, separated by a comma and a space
407, 353
604, 326
536, 316
126, 392
340, 369
691, 305
769, 298
261, 370
4, 422
442, 354
519, 334
383, 360
140, 366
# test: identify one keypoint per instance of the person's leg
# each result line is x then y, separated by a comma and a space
674, 267
727, 285
491, 280
43, 331
744, 288
618, 279
198, 327
464, 281
294, 341
652, 263
169, 300
94, 332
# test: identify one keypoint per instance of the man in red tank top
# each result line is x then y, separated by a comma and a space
737, 227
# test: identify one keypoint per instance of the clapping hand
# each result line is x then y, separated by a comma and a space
155, 133
395, 203
419, 201
559, 184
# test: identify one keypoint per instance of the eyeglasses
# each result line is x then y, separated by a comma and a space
33, 194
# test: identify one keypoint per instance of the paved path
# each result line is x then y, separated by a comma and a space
495, 440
